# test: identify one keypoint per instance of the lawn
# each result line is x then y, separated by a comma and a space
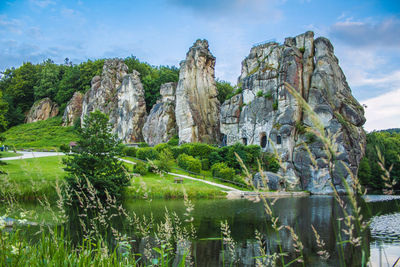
48, 134
8, 154
29, 179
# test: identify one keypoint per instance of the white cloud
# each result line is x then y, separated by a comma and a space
42, 3
383, 111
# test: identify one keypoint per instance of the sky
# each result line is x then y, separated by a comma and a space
365, 34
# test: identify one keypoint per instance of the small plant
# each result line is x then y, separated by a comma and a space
301, 129
275, 105
268, 95
302, 50
260, 93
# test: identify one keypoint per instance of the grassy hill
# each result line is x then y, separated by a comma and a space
48, 134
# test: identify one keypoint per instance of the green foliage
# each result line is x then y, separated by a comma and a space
47, 134
275, 105
77, 124
370, 172
189, 163
310, 138
129, 151
268, 95
205, 164
143, 144
162, 146
64, 148
214, 157
174, 141
225, 90
140, 168
221, 170
301, 129
302, 49
3, 111
95, 159
165, 161
260, 93
147, 153
270, 162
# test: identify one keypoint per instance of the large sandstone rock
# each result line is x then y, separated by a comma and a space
42, 110
267, 114
73, 109
197, 106
161, 125
121, 96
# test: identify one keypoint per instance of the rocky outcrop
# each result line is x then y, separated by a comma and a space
197, 106
73, 110
161, 125
121, 96
42, 110
268, 114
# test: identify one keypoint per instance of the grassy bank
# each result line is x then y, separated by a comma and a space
30, 179
8, 154
48, 134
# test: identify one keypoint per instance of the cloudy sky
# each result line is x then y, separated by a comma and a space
365, 34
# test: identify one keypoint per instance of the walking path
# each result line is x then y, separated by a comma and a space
32, 154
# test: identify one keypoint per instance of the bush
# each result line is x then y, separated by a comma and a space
198, 149
214, 157
174, 141
140, 168
205, 164
270, 162
165, 161
161, 147
260, 93
189, 163
129, 151
145, 153
143, 144
64, 148
221, 170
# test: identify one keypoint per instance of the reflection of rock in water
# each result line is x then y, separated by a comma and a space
386, 227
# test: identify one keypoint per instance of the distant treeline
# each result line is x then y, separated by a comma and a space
386, 142
21, 87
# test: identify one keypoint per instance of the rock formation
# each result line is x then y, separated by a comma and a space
268, 114
42, 110
73, 109
121, 96
197, 106
160, 125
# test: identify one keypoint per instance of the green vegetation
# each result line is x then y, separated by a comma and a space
189, 163
372, 166
275, 105
30, 179
225, 90
48, 134
95, 159
7, 154
268, 95
260, 93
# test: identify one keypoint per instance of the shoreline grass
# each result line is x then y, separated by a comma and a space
7, 154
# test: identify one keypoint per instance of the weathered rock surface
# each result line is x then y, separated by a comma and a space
42, 110
73, 109
121, 96
161, 125
266, 113
273, 181
197, 106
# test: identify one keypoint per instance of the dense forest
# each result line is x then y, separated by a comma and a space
382, 147
21, 87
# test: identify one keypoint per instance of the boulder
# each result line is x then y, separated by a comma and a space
73, 109
42, 110
160, 125
121, 96
272, 181
270, 114
197, 107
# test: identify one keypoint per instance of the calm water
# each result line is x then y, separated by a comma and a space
244, 217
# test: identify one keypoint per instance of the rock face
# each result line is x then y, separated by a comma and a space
121, 96
197, 106
42, 110
73, 109
161, 125
267, 114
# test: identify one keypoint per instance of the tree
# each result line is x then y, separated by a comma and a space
225, 90
95, 159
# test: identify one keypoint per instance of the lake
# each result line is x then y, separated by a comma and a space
244, 217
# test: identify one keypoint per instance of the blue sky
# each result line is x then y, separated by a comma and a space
365, 34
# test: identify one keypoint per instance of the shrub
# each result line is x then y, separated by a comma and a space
165, 161
189, 163
161, 147
176, 151
174, 141
197, 149
260, 93
205, 164
268, 95
64, 148
214, 157
77, 124
140, 168
275, 105
270, 162
145, 153
221, 170
143, 144
129, 151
